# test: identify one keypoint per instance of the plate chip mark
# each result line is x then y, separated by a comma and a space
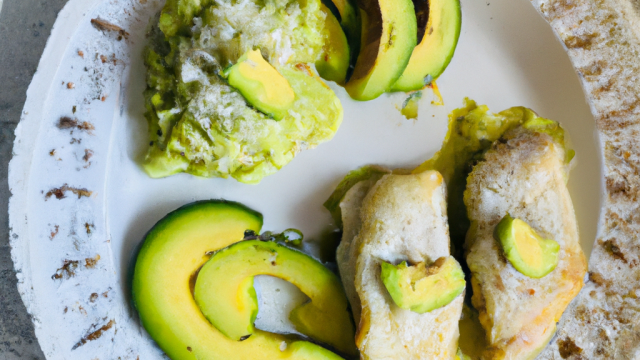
89, 228
67, 270
59, 193
88, 153
67, 122
54, 232
95, 334
104, 25
90, 263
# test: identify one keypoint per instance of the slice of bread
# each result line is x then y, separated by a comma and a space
397, 218
602, 39
523, 174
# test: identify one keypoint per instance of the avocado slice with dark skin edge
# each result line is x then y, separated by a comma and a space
528, 252
334, 61
421, 288
439, 23
389, 35
225, 294
170, 257
349, 17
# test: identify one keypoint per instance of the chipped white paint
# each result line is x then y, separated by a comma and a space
502, 60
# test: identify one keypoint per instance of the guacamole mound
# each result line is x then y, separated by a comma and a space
201, 125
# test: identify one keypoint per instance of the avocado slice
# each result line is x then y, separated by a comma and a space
225, 294
261, 84
166, 266
349, 17
389, 33
333, 64
527, 251
421, 288
439, 24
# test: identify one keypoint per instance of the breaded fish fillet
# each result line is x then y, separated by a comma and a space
397, 218
523, 174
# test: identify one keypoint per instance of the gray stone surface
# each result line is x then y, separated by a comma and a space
24, 28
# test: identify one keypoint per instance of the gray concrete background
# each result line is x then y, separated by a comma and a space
24, 29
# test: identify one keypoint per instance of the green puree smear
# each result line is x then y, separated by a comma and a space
201, 125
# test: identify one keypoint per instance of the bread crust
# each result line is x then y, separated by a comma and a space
602, 38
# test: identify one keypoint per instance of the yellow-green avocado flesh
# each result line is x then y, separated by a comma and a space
333, 63
389, 33
350, 21
261, 84
224, 291
421, 288
527, 251
172, 253
439, 23
201, 124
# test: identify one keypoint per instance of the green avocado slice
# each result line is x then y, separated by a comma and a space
527, 251
166, 266
389, 33
261, 84
421, 288
225, 294
333, 63
350, 21
439, 23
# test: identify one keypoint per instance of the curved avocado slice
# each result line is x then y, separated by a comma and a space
261, 84
527, 251
224, 291
168, 261
439, 24
333, 64
421, 288
350, 22
389, 33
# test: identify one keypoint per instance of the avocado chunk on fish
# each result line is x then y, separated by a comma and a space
528, 252
421, 288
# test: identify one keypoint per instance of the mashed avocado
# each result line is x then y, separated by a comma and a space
200, 124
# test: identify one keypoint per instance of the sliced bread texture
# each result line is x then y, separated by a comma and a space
602, 39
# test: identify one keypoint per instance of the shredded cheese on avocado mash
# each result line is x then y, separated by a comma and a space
200, 124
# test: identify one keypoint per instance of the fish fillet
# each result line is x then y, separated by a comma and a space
398, 218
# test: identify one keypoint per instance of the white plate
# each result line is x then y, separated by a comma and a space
507, 56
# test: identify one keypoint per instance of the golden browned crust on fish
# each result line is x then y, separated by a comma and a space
602, 38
